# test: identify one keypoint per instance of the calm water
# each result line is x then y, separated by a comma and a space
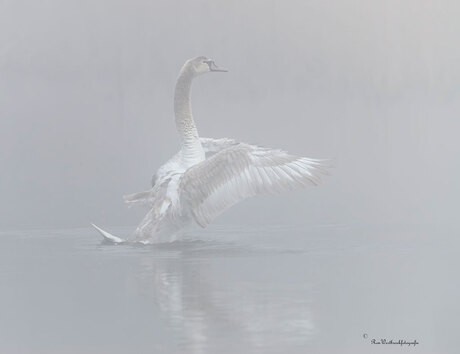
264, 290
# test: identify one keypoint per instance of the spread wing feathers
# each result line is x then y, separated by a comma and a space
212, 146
242, 171
142, 198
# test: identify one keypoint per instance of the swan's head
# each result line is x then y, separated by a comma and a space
202, 65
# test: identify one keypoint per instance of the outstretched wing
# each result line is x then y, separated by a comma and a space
241, 171
212, 146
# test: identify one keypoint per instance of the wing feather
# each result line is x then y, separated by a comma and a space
212, 146
238, 171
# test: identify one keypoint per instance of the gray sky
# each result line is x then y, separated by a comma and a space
86, 103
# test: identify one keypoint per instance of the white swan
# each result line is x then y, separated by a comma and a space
207, 176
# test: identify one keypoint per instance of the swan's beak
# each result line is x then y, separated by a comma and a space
214, 67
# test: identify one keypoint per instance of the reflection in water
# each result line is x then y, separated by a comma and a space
271, 290
208, 300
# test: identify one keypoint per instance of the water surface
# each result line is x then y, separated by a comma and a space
270, 289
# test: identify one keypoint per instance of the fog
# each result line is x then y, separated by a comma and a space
86, 116
86, 91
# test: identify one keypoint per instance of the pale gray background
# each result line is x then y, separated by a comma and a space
86, 103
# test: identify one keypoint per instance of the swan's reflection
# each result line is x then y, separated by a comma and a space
221, 297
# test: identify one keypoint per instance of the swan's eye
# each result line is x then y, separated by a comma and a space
209, 62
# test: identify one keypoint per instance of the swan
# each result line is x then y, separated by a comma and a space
207, 176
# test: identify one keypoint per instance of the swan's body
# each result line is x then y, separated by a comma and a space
207, 176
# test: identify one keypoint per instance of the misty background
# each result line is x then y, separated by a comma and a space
86, 92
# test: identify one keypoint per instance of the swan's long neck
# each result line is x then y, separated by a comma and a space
192, 151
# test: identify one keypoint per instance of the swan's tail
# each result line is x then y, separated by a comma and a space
108, 236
